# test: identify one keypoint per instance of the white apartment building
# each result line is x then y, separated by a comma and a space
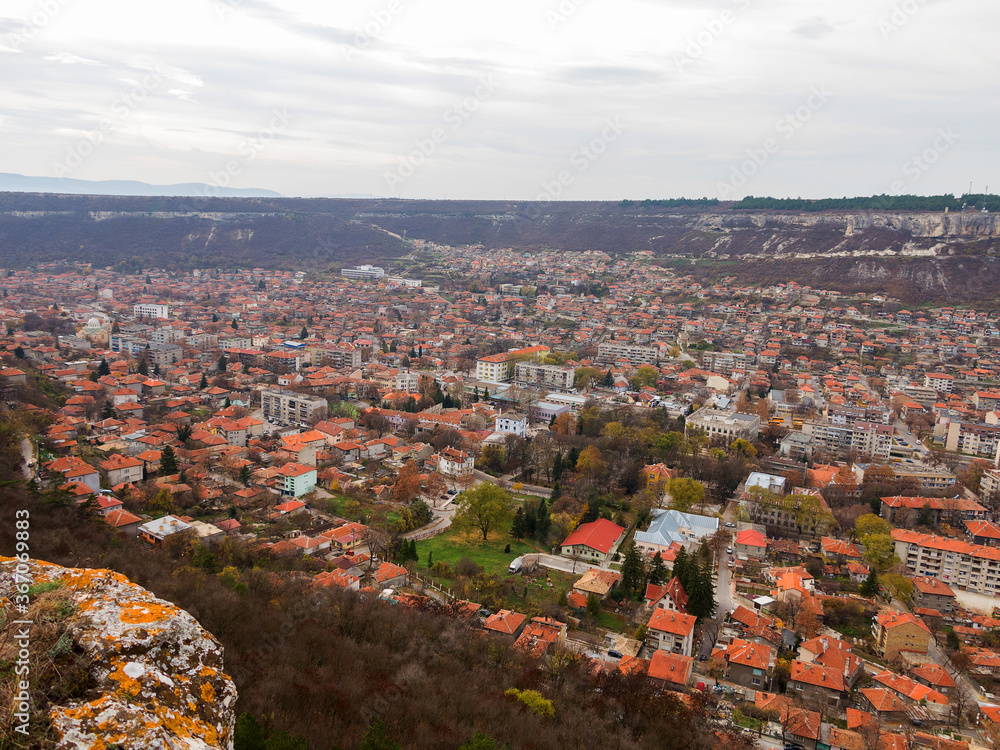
973, 439
363, 272
513, 423
727, 425
959, 564
940, 382
549, 377
288, 409
636, 355
147, 310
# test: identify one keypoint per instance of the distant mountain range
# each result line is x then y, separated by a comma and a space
19, 183
915, 255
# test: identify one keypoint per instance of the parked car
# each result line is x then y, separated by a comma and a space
729, 550
614, 654
730, 525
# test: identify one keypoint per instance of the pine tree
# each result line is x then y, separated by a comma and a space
632, 571
203, 384
245, 476
486, 395
233, 324
572, 458
168, 461
19, 353
530, 522
143, 367
608, 380
414, 555
543, 524
557, 467
109, 410
680, 571
701, 592
870, 587
103, 369
657, 571
221, 364
556, 490
303, 333
517, 526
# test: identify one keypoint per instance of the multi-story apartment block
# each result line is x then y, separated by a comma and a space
925, 477
954, 510
147, 310
288, 409
899, 631
973, 439
296, 479
873, 440
499, 368
336, 355
363, 272
940, 382
726, 425
959, 564
727, 362
634, 355
549, 377
989, 488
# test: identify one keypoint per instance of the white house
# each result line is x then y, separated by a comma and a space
296, 479
670, 631
455, 463
513, 424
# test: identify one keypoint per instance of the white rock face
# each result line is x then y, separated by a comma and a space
159, 674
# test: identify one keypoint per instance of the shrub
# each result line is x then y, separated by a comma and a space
533, 700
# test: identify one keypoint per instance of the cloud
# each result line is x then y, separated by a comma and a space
813, 28
68, 58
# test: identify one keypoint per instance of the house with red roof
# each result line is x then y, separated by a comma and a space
670, 631
506, 623
899, 631
818, 684
748, 663
670, 596
670, 670
122, 469
593, 542
750, 544
931, 593
295, 480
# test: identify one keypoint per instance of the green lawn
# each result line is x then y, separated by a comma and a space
450, 547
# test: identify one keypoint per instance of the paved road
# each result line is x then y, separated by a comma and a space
723, 594
554, 562
527, 489
28, 451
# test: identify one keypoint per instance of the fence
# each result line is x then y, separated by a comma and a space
429, 584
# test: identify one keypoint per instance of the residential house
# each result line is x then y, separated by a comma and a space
818, 684
156, 531
896, 631
670, 596
295, 480
750, 544
669, 670
670, 631
121, 469
455, 463
506, 623
748, 663
594, 542
389, 575
931, 593
673, 526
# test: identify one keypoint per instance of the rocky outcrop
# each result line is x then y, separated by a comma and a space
158, 673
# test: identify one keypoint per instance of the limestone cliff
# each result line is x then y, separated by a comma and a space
158, 673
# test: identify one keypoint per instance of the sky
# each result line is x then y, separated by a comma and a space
524, 99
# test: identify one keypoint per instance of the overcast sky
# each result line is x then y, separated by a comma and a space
578, 99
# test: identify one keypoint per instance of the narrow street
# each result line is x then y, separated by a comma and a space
28, 451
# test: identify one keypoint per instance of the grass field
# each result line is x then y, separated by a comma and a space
450, 547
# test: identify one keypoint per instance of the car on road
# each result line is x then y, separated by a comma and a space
614, 654
730, 525
452, 492
729, 550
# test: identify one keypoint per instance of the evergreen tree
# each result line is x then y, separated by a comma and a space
572, 458
420, 351
486, 394
143, 367
413, 353
376, 737
632, 571
657, 571
245, 476
392, 347
109, 410
530, 521
168, 461
870, 587
303, 333
414, 555
925, 517
215, 318
608, 381
701, 593
19, 353
475, 394
556, 490
233, 324
221, 364
228, 403
557, 467
517, 526
203, 383
543, 523
103, 369
680, 571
